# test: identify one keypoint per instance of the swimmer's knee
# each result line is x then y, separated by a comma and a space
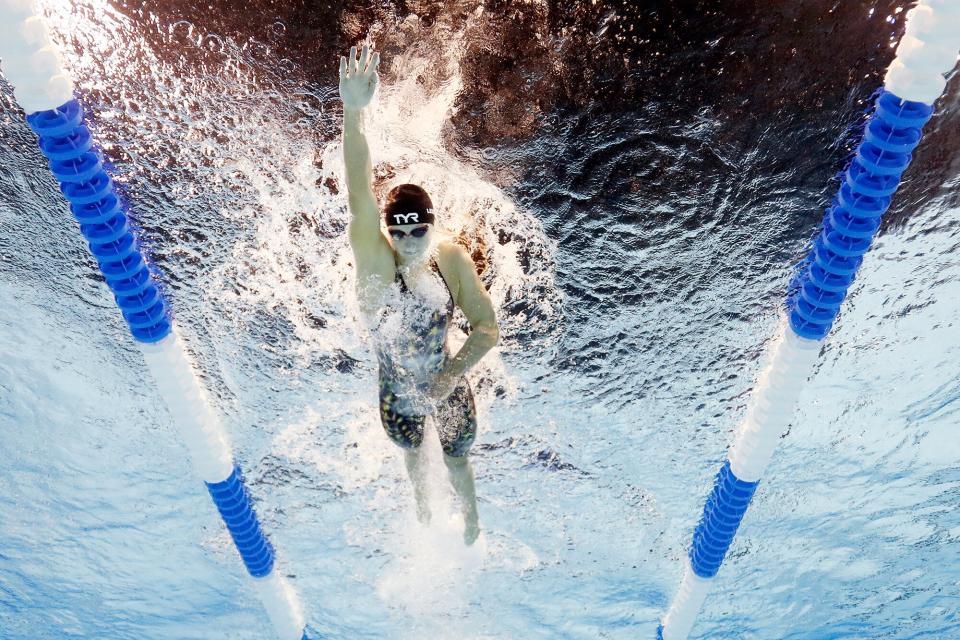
410, 448
455, 462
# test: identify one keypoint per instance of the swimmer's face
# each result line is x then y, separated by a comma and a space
411, 241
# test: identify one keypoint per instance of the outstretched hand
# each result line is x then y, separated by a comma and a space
358, 78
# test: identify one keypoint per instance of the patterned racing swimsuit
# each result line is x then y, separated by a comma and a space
409, 362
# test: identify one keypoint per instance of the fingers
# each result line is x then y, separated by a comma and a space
373, 79
364, 56
367, 64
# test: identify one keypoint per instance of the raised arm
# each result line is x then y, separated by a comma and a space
358, 81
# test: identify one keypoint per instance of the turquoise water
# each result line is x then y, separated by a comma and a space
634, 321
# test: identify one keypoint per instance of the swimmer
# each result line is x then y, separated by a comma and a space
408, 282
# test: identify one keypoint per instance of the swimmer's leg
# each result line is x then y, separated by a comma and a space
415, 460
457, 426
407, 432
461, 477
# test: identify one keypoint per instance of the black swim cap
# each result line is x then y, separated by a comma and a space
408, 204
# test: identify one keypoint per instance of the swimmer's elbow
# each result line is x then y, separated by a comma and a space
491, 334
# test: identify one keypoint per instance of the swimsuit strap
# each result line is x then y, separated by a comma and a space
435, 268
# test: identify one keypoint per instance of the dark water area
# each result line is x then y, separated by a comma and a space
680, 154
524, 62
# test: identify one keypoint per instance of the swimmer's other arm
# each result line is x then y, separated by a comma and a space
473, 299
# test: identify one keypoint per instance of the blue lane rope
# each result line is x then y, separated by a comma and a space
890, 136
78, 166
850, 223
102, 213
721, 518
236, 509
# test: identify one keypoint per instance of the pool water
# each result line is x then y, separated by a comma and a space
636, 185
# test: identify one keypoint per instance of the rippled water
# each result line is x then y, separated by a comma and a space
636, 183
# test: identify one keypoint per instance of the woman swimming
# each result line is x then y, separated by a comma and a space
408, 283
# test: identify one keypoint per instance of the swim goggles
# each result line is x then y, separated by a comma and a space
419, 232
